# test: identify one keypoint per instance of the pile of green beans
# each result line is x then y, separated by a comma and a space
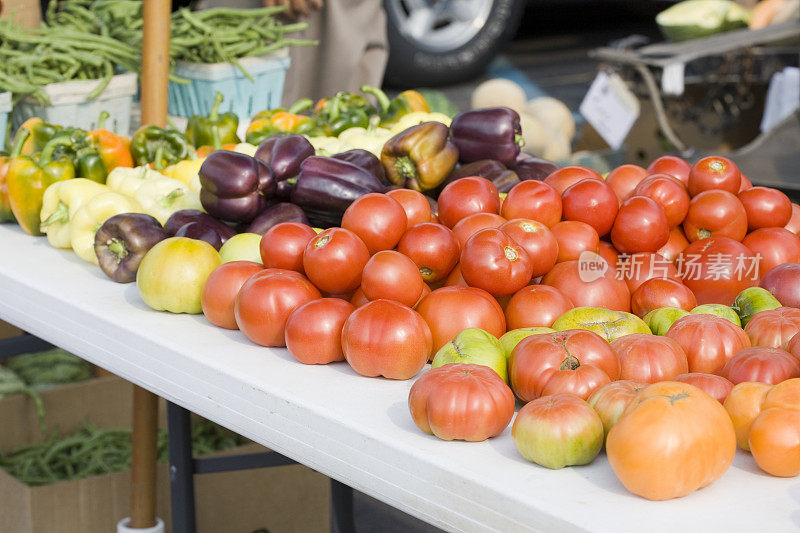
92, 451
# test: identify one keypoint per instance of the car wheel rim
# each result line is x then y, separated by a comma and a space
439, 25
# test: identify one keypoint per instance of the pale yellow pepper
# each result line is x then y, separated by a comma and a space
184, 170
60, 202
92, 215
161, 197
127, 180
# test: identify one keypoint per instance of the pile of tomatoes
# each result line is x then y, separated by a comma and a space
552, 262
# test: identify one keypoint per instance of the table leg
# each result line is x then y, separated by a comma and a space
181, 469
342, 515
143, 459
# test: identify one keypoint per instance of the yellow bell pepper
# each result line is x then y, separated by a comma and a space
184, 170
418, 117
370, 139
127, 180
327, 146
90, 217
160, 197
246, 149
60, 202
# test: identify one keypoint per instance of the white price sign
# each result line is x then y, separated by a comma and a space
611, 108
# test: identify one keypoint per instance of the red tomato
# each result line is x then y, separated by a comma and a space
469, 226
454, 278
715, 214
377, 219
672, 166
534, 200
774, 328
314, 331
265, 302
717, 270
426, 290
450, 310
661, 292
775, 442
592, 202
611, 400
385, 338
574, 238
282, 246
638, 268
709, 341
538, 241
461, 402
794, 346
433, 248
714, 173
715, 386
765, 207
494, 262
640, 226
668, 192
390, 275
784, 283
774, 246
676, 243
745, 183
575, 361
417, 208
761, 365
603, 291
358, 299
536, 305
334, 259
564, 177
649, 358
607, 251
222, 286
624, 179
794, 223
467, 196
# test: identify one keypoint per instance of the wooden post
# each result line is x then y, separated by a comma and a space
154, 82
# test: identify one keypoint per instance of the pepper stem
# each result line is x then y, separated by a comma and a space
169, 199
61, 214
19, 140
101, 120
405, 167
47, 152
213, 116
300, 105
383, 100
117, 247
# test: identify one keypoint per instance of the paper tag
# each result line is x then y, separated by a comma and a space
783, 97
672, 79
611, 108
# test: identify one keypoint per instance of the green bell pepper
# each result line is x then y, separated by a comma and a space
215, 129
159, 146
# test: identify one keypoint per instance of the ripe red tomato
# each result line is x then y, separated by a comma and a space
334, 259
494, 262
564, 177
536, 305
377, 219
765, 207
746, 184
603, 291
390, 275
222, 286
784, 283
638, 268
715, 214
708, 340
715, 386
774, 246
538, 241
775, 441
774, 328
592, 202
575, 361
668, 192
717, 270
672, 166
417, 208
265, 302
467, 196
661, 292
611, 400
433, 248
607, 251
714, 173
461, 402
574, 238
385, 338
794, 223
358, 299
469, 226
624, 179
676, 243
314, 331
761, 365
640, 226
282, 246
534, 200
450, 310
454, 278
649, 358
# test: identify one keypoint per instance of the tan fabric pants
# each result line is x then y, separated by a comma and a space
352, 49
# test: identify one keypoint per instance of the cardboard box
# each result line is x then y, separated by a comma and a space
26, 12
280, 499
7, 330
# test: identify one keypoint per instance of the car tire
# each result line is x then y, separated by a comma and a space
412, 64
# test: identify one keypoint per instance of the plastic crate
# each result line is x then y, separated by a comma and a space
5, 109
242, 96
69, 106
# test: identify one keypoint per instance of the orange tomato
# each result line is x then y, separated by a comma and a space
775, 441
611, 400
785, 395
744, 405
221, 288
